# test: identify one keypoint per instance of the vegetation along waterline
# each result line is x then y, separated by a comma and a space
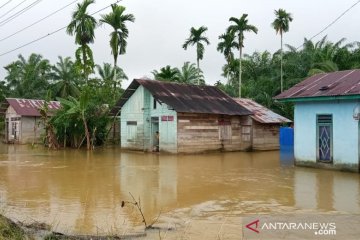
88, 90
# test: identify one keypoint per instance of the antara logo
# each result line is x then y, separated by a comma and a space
251, 227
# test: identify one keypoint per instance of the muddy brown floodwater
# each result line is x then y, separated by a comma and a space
81, 192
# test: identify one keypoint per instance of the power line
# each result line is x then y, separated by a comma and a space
332, 23
27, 8
5, 4
40, 20
49, 34
12, 9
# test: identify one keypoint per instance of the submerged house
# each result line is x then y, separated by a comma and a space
264, 125
327, 112
181, 118
23, 120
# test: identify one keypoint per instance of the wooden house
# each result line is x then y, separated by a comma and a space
22, 119
263, 125
181, 118
327, 112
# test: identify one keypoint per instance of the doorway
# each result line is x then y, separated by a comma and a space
155, 134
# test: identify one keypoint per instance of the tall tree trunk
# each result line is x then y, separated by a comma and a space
281, 63
87, 134
114, 79
240, 72
198, 66
84, 60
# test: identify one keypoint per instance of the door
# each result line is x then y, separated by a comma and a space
155, 134
324, 138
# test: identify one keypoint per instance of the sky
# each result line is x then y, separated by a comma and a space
161, 27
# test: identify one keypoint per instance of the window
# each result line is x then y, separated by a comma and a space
324, 138
154, 103
131, 127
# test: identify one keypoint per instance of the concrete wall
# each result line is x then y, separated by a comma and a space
132, 111
167, 124
32, 130
140, 109
345, 133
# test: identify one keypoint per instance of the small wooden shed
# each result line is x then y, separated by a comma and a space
263, 125
22, 119
180, 118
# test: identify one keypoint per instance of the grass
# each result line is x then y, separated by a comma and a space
10, 230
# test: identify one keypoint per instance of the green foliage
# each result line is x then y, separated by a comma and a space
28, 78
167, 73
66, 78
239, 27
81, 119
117, 20
83, 27
197, 38
261, 72
188, 74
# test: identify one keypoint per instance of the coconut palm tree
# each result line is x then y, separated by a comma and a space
66, 78
281, 25
117, 20
197, 37
239, 27
83, 26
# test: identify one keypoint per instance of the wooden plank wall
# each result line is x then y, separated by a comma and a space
265, 136
202, 133
197, 133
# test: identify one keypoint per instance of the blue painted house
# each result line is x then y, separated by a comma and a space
188, 118
326, 120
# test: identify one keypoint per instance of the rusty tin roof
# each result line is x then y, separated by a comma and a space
28, 107
186, 98
260, 113
341, 83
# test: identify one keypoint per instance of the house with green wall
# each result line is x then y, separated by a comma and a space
181, 118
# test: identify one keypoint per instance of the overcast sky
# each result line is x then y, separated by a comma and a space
162, 26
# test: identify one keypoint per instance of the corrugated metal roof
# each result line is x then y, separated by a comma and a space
261, 113
186, 98
28, 107
341, 83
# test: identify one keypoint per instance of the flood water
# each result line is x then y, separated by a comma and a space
81, 192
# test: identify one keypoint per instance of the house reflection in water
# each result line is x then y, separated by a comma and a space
325, 190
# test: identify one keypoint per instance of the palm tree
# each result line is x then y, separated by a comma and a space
197, 37
190, 74
29, 78
107, 74
66, 78
238, 28
83, 26
281, 25
166, 74
117, 20
226, 45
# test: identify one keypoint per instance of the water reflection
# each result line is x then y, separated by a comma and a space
81, 192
